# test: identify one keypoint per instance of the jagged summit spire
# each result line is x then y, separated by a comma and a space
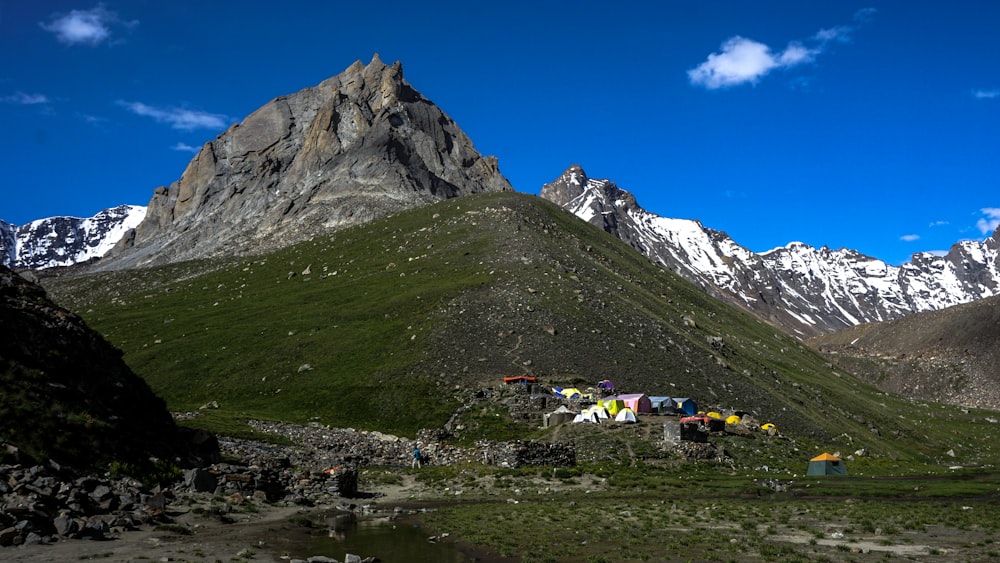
575, 175
376, 64
567, 187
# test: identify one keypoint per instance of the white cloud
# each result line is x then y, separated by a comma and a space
990, 222
743, 60
22, 99
985, 94
92, 119
841, 33
84, 27
184, 147
795, 54
178, 118
938, 223
865, 15
909, 238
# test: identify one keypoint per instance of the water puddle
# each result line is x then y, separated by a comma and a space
396, 540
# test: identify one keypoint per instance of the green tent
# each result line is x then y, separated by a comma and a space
826, 464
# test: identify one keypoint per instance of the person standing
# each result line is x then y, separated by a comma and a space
416, 458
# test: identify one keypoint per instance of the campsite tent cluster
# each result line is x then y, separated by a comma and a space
620, 408
625, 407
600, 404
693, 425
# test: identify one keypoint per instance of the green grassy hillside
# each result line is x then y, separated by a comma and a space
392, 325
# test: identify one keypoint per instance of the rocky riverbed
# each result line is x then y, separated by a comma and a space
47, 509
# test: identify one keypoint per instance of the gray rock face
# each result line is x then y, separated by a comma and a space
805, 290
8, 244
358, 146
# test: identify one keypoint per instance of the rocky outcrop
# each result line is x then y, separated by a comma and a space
358, 146
805, 290
8, 244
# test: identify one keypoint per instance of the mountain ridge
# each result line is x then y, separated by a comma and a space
804, 290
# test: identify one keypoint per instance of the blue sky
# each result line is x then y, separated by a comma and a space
866, 125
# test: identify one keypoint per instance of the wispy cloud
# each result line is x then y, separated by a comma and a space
938, 223
22, 99
909, 238
986, 94
85, 27
990, 222
742, 60
92, 119
178, 118
184, 147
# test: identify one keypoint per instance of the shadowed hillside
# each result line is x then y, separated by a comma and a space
950, 355
393, 324
65, 393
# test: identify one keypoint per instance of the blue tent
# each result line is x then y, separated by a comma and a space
685, 405
662, 405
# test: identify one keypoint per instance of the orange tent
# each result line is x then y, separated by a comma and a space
826, 464
520, 379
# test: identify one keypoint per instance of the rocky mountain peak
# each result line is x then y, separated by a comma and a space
360, 145
567, 187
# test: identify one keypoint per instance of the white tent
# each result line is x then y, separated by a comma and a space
601, 412
626, 416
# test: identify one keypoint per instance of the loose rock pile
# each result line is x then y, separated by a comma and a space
339, 447
41, 503
520, 453
700, 451
324, 447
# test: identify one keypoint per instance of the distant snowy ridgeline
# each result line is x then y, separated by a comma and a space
64, 241
806, 290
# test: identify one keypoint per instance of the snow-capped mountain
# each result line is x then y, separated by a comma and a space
806, 290
64, 241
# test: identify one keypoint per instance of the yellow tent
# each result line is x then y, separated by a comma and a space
733, 419
714, 414
613, 405
571, 393
769, 428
